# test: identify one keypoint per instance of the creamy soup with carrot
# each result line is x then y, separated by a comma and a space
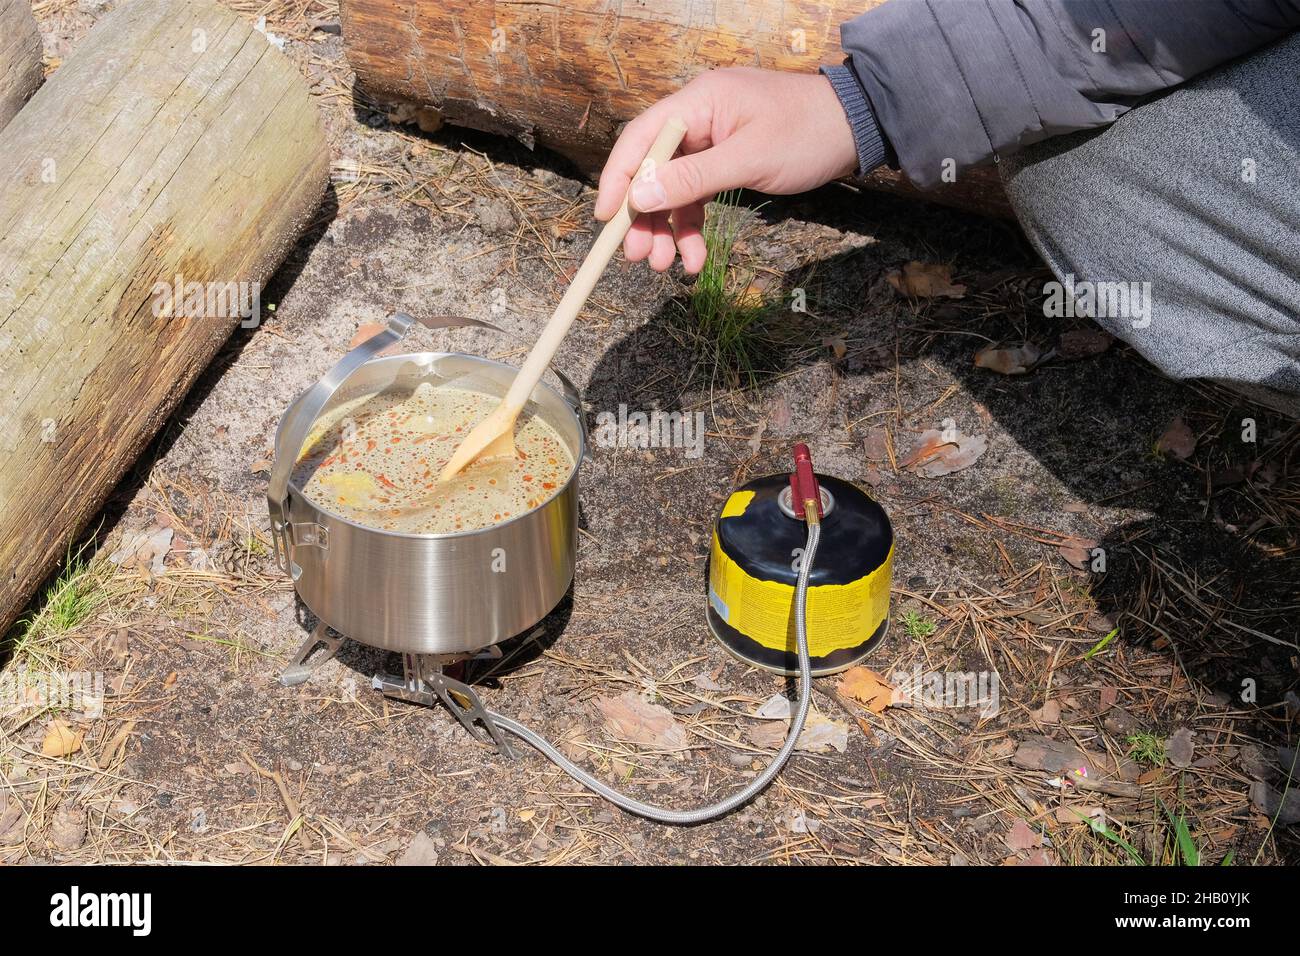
375, 460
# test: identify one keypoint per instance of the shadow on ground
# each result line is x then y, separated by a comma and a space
1203, 564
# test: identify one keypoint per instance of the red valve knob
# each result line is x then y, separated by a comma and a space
803, 483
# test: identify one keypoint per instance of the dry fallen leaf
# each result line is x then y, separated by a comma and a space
1083, 343
1016, 361
1022, 837
11, 823
1037, 616
1002, 749
1286, 807
60, 740
365, 331
754, 295
938, 453
1039, 857
1177, 440
144, 549
876, 444
1082, 815
925, 280
120, 645
628, 717
1049, 713
819, 735
1181, 748
1077, 552
868, 688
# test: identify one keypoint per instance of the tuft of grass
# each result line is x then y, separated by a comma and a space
1174, 847
1147, 748
254, 547
917, 626
72, 597
728, 311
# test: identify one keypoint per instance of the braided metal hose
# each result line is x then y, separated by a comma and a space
686, 817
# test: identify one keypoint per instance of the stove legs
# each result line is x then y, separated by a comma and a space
299, 668
423, 682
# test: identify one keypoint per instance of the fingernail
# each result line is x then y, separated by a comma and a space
648, 195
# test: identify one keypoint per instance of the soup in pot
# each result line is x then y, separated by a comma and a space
376, 459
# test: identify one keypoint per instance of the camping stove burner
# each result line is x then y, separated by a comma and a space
422, 682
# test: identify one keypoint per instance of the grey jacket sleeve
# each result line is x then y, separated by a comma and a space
949, 84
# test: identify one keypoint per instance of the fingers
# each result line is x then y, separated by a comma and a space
654, 237
640, 239
651, 238
695, 177
626, 156
662, 249
688, 223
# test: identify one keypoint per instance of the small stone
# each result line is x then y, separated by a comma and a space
493, 216
421, 851
68, 830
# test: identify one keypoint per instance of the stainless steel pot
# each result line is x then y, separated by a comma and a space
424, 593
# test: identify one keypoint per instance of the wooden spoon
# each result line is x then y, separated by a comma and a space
494, 436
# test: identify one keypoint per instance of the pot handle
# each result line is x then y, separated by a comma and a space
306, 409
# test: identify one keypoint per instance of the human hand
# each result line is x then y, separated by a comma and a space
774, 132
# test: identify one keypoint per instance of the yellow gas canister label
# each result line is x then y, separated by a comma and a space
737, 503
839, 616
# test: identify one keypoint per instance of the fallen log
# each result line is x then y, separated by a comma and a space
20, 56
567, 76
176, 149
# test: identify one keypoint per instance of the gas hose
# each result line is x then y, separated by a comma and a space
684, 817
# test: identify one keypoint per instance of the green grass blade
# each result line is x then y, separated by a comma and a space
1096, 648
1099, 826
1187, 849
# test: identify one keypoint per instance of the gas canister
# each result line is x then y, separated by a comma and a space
754, 565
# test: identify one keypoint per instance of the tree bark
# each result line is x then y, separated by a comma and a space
20, 57
175, 142
568, 75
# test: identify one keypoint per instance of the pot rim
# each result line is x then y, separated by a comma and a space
295, 491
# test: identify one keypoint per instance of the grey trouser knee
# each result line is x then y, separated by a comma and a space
1197, 193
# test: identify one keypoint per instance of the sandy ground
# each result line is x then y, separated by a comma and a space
201, 755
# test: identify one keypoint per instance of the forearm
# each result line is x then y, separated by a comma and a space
949, 84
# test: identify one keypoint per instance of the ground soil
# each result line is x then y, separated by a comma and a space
1199, 580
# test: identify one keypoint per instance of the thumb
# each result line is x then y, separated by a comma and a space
692, 178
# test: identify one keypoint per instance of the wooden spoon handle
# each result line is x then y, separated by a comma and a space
602, 250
